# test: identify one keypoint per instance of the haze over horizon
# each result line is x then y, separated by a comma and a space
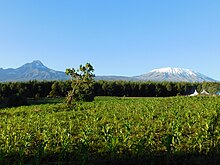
124, 38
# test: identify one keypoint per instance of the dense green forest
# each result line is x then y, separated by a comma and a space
106, 88
17, 92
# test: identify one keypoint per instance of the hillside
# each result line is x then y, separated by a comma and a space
36, 70
113, 130
31, 71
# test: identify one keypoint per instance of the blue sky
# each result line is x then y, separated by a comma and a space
118, 37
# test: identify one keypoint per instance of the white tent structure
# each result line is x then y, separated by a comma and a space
195, 93
204, 92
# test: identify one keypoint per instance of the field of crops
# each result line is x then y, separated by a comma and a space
112, 130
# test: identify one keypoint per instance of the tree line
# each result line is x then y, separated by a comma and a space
152, 89
33, 89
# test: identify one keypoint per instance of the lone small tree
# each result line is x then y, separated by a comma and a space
82, 83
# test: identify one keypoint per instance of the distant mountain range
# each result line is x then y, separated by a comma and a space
37, 71
31, 71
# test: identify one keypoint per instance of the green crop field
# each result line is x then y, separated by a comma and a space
112, 130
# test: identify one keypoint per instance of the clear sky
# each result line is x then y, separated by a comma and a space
118, 37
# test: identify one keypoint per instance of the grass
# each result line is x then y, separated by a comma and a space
44, 100
112, 130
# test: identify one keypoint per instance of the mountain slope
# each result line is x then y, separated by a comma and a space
37, 71
115, 78
31, 71
175, 75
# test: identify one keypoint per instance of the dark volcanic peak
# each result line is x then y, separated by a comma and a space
34, 65
38, 63
31, 71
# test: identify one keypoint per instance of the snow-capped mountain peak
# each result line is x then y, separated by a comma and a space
170, 70
175, 75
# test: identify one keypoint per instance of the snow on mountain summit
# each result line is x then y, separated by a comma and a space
36, 70
170, 70
174, 75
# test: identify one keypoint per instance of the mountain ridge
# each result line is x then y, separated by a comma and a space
31, 71
36, 70
175, 75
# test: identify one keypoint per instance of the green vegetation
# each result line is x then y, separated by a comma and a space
53, 89
113, 130
82, 84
